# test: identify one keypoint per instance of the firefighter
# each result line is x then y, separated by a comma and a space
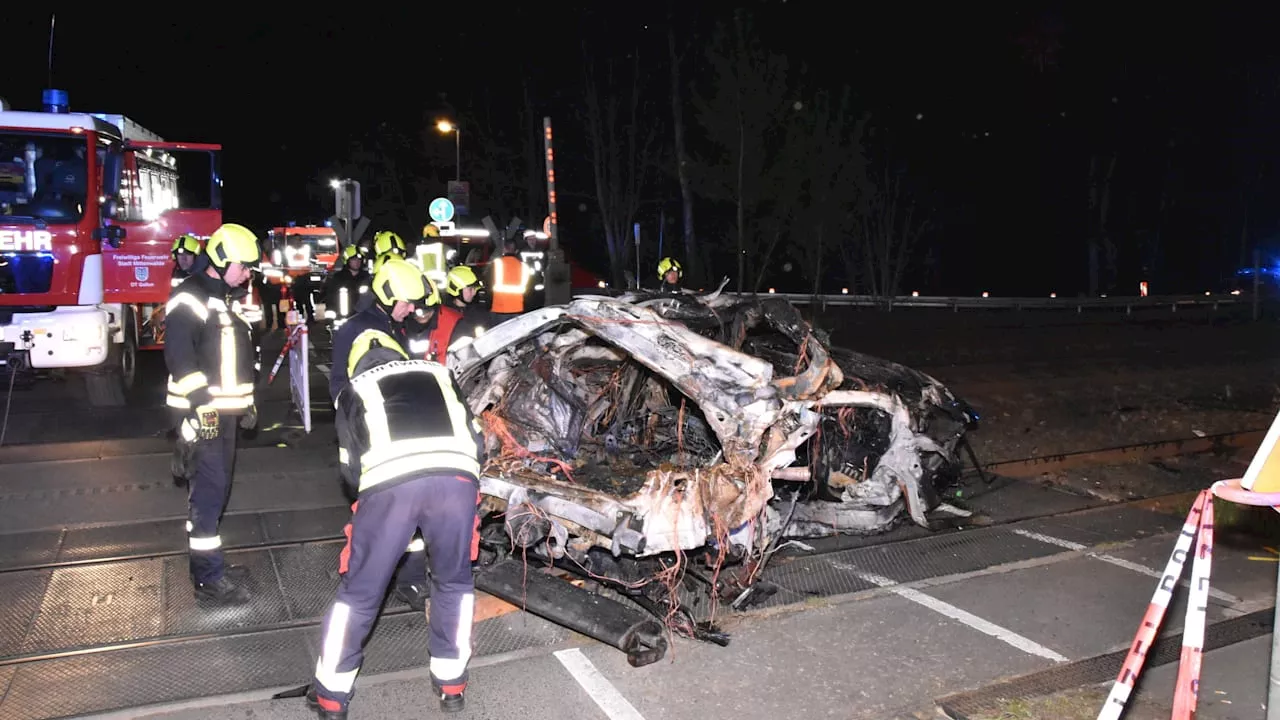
411, 445
210, 354
432, 254
670, 273
374, 312
462, 286
186, 248
431, 330
347, 284
510, 280
386, 241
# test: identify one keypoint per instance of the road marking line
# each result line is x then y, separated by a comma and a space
597, 685
1118, 562
988, 628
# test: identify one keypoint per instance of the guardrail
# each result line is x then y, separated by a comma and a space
957, 303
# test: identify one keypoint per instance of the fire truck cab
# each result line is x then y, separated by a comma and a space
291, 251
90, 204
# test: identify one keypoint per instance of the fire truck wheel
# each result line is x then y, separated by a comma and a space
109, 385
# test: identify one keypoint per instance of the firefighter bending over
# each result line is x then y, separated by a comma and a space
412, 446
185, 251
347, 284
377, 311
210, 353
670, 272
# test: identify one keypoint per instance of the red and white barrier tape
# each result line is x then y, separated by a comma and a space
294, 334
1154, 616
1197, 530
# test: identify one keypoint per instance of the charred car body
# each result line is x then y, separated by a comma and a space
660, 446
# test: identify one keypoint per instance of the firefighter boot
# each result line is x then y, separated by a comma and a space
449, 702
415, 596
222, 591
313, 703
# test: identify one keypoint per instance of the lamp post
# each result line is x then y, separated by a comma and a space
447, 127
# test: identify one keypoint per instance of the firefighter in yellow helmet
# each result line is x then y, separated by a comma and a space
670, 273
186, 248
415, 468
462, 286
210, 354
386, 241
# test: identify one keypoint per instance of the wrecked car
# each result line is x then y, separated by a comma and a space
660, 445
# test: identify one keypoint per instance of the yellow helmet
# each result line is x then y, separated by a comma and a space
666, 265
397, 280
233, 243
430, 230
186, 243
459, 278
381, 260
386, 241
348, 252
433, 293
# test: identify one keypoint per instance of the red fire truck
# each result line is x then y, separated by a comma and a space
291, 251
90, 205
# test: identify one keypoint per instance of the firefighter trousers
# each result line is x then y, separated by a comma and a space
444, 508
207, 493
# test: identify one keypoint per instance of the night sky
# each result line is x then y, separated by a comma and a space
996, 113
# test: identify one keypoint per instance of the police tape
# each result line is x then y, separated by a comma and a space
294, 334
1197, 531
1151, 620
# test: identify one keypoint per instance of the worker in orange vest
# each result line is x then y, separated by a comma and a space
510, 279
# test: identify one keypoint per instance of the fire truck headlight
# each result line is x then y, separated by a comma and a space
277, 258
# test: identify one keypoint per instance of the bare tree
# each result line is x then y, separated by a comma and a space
620, 141
833, 157
746, 118
889, 222
682, 158
1102, 251
389, 169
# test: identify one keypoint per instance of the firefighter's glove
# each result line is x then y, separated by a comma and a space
249, 420
183, 463
205, 423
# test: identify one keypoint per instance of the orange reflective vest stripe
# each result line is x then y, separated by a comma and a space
509, 280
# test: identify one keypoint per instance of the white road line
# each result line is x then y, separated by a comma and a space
1002, 634
1118, 562
597, 685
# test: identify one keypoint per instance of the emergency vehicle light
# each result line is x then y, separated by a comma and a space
56, 101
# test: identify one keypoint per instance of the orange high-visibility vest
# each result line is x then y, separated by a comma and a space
510, 277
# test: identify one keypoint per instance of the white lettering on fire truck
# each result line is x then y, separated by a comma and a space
26, 240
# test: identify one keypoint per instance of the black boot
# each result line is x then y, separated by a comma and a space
415, 596
449, 703
313, 703
223, 591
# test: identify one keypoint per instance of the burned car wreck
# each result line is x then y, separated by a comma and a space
659, 446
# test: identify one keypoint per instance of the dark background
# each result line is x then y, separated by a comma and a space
995, 115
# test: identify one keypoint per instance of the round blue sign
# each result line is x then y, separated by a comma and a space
441, 210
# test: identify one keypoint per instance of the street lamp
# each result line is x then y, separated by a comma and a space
447, 127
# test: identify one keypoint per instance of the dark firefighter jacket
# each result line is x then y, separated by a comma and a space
355, 284
370, 317
402, 419
208, 347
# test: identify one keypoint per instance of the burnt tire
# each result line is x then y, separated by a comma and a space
110, 384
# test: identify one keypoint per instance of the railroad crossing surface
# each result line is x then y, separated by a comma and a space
1038, 584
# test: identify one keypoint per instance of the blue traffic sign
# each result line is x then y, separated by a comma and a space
441, 210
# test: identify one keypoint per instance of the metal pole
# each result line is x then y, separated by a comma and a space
1273, 688
457, 146
635, 229
554, 229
